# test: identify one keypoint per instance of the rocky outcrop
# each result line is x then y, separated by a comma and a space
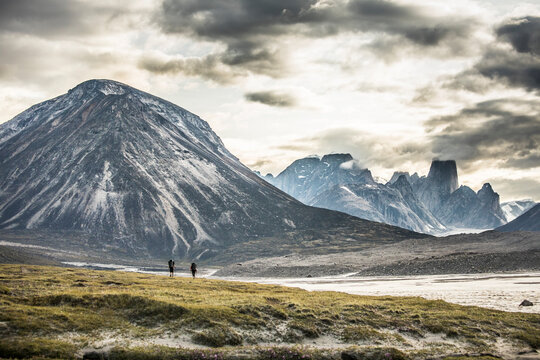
489, 213
442, 180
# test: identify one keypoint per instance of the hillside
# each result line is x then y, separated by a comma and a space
529, 221
65, 313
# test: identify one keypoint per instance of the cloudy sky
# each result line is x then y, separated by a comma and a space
395, 83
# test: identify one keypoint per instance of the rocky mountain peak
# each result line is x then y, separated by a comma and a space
444, 174
465, 192
487, 189
397, 174
336, 158
104, 86
403, 186
402, 182
490, 199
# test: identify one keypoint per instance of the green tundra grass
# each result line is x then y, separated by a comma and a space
54, 312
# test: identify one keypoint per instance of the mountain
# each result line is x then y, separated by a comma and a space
305, 178
442, 180
513, 209
466, 209
404, 187
136, 174
411, 179
336, 182
429, 204
529, 221
456, 207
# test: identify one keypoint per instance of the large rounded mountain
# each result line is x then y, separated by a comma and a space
140, 173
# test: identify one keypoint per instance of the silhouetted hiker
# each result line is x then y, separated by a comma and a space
171, 268
193, 269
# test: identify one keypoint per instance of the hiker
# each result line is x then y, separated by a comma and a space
171, 268
193, 269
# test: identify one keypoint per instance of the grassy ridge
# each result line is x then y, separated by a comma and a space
55, 312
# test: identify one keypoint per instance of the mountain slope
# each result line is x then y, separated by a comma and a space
137, 173
529, 221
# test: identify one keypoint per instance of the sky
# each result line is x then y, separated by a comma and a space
394, 83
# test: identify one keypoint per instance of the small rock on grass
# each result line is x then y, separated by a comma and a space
96, 355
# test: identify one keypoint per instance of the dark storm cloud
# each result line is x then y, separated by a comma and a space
49, 17
514, 69
506, 131
250, 30
407, 21
522, 66
513, 60
523, 34
272, 98
207, 68
247, 19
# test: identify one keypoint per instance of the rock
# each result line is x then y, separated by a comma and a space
526, 303
95, 355
350, 355
309, 276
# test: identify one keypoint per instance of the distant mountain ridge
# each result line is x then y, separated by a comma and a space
431, 204
139, 174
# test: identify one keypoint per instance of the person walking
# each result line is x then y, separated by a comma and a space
193, 269
171, 268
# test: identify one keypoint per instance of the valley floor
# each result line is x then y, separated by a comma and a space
499, 291
495, 291
55, 312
